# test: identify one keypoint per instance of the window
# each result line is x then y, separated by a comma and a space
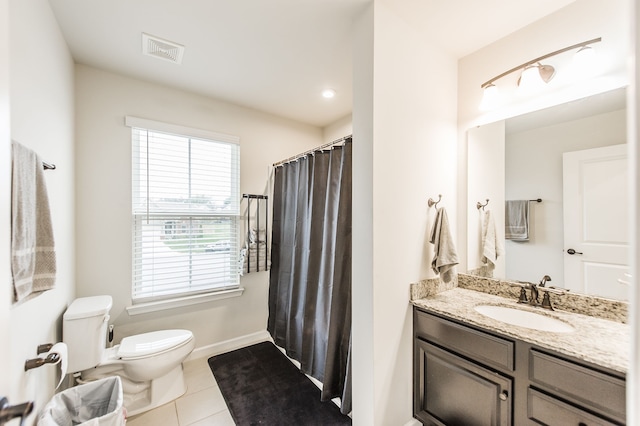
185, 210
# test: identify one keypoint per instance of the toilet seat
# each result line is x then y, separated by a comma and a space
153, 343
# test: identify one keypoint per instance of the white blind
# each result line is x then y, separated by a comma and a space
185, 214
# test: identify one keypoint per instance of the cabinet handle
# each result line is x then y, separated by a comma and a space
504, 395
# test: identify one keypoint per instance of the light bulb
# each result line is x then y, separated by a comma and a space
328, 93
490, 97
530, 80
584, 64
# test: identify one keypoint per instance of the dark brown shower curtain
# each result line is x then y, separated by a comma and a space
310, 280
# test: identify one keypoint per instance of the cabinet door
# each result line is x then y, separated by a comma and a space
449, 390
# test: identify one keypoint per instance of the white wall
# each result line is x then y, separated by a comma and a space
580, 21
362, 331
534, 170
5, 190
103, 186
42, 111
409, 157
338, 129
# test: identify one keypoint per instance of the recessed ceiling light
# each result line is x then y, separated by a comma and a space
328, 93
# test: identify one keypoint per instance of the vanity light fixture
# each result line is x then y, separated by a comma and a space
536, 74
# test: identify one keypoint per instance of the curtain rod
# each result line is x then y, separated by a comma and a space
319, 148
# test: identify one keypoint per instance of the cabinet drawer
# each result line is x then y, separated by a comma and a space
547, 410
482, 347
588, 387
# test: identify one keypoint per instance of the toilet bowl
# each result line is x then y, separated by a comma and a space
149, 364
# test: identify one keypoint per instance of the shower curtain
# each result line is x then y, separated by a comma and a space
310, 279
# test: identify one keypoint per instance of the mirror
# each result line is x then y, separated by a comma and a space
573, 158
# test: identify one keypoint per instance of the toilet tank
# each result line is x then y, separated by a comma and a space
84, 331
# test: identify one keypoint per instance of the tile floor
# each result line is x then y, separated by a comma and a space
202, 405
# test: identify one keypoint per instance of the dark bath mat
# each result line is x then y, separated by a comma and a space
262, 387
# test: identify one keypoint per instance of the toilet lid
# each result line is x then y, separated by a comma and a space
152, 343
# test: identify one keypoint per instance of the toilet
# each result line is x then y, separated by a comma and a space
149, 364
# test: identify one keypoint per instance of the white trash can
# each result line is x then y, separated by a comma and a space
97, 403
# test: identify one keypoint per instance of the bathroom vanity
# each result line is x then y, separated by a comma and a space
471, 369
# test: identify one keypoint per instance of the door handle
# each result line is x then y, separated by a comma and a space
572, 251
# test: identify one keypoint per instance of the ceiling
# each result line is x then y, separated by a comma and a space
277, 55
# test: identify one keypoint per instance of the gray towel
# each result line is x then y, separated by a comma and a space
516, 220
491, 244
33, 257
445, 257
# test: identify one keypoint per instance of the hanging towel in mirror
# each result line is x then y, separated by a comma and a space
33, 257
516, 220
445, 257
491, 244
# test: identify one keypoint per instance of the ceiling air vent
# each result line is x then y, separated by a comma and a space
162, 49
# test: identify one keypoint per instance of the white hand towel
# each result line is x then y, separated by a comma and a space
33, 257
516, 217
491, 244
445, 257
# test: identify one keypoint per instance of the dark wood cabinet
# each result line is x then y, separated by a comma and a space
454, 391
465, 375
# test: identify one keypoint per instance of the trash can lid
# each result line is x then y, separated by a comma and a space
85, 307
152, 343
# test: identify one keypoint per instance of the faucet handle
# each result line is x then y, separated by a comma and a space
546, 301
522, 298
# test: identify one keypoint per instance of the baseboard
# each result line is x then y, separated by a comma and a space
413, 422
229, 345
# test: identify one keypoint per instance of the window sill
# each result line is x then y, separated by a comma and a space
145, 308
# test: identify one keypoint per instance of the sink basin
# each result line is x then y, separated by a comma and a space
524, 318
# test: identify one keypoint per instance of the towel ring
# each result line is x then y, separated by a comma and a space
435, 203
482, 206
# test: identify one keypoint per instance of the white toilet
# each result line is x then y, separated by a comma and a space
149, 364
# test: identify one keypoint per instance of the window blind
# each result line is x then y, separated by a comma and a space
186, 213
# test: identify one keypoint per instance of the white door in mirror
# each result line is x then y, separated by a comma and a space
596, 235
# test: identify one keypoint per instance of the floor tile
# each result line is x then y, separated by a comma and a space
198, 377
195, 364
199, 405
221, 419
165, 415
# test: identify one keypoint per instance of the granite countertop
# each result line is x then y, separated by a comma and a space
598, 341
